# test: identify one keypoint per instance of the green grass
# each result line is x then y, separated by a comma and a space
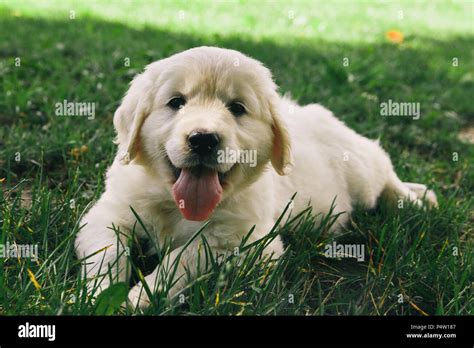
408, 251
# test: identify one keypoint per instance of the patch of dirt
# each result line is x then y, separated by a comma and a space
467, 135
26, 200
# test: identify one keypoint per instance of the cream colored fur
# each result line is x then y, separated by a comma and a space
322, 158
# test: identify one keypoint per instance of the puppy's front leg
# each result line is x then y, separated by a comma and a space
172, 273
191, 259
101, 249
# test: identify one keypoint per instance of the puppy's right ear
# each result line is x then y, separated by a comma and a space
281, 158
129, 117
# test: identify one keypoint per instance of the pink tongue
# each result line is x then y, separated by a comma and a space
196, 195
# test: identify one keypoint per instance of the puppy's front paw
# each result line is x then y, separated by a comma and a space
138, 298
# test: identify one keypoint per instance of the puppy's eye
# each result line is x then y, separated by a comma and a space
176, 103
236, 108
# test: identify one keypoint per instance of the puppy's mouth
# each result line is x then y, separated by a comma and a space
196, 170
197, 190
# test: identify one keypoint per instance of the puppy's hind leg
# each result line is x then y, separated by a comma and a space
423, 192
418, 194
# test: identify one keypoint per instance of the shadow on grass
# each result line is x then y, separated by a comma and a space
85, 60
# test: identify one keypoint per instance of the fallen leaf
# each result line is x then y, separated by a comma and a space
394, 36
33, 279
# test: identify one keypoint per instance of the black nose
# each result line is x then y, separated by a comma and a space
203, 143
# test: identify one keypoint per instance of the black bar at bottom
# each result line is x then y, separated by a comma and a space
238, 330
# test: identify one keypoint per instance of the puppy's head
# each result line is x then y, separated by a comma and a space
206, 122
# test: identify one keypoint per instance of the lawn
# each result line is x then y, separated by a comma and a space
336, 53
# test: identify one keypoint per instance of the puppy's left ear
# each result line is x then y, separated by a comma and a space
281, 157
129, 118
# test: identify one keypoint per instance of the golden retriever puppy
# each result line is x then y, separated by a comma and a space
204, 136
